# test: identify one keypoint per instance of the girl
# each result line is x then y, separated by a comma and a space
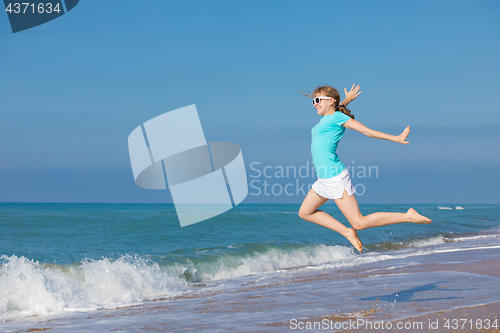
334, 181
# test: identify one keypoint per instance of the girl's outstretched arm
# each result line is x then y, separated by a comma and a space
357, 126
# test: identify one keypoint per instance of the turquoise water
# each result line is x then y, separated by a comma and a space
59, 257
68, 233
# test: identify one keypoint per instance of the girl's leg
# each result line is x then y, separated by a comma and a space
309, 211
348, 205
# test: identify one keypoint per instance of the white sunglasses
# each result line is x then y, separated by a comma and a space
318, 99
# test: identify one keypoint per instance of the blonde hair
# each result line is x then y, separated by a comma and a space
329, 91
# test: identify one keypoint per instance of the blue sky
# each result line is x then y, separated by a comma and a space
73, 89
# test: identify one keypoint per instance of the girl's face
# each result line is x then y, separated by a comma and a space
324, 104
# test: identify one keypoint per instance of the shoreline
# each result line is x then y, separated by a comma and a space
394, 291
472, 318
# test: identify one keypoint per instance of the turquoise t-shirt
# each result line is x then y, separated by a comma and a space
325, 138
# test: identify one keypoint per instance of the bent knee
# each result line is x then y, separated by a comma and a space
358, 224
305, 214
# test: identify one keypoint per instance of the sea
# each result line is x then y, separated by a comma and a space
88, 267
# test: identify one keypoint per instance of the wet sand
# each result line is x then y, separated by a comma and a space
465, 319
459, 320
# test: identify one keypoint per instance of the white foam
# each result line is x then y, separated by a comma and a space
451, 208
427, 242
458, 239
30, 288
230, 266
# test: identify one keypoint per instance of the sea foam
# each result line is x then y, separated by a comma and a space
30, 288
427, 242
260, 258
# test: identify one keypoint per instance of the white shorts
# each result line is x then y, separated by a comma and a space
333, 188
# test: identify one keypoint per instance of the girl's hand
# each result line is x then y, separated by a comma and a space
352, 94
401, 138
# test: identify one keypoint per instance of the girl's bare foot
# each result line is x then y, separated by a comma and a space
415, 217
352, 236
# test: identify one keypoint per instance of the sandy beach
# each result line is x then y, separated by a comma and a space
464, 319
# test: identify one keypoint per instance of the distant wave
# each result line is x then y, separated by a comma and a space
427, 242
396, 245
464, 238
451, 208
247, 259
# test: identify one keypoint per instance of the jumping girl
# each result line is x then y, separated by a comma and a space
334, 181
